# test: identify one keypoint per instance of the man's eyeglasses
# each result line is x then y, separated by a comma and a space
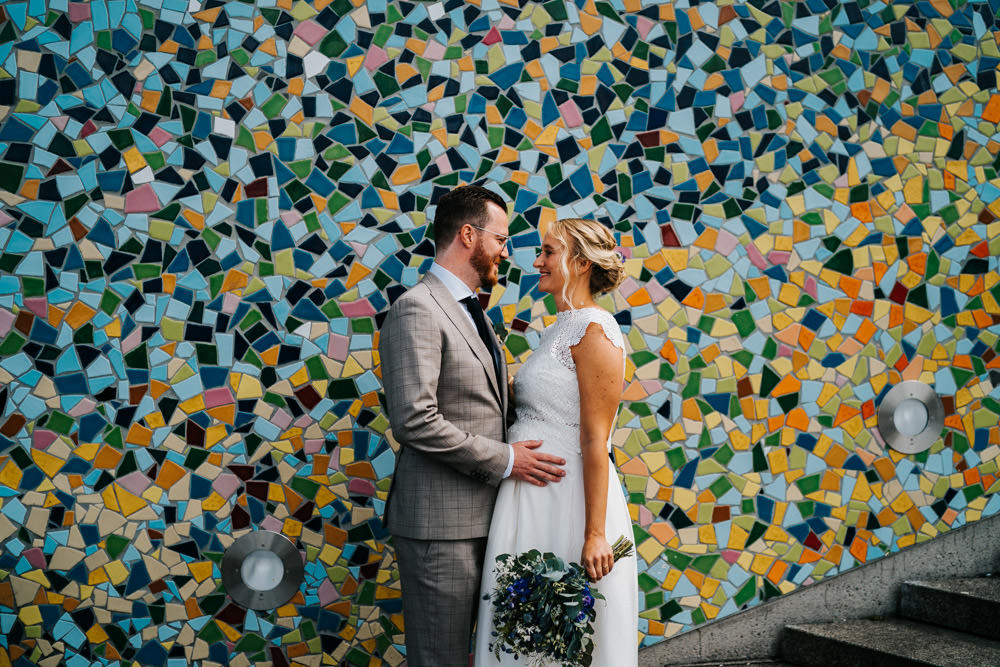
505, 239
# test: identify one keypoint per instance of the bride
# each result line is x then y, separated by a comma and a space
567, 394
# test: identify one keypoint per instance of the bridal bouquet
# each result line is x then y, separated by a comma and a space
543, 607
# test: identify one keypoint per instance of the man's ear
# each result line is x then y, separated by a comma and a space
467, 235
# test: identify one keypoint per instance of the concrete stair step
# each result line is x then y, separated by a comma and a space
887, 643
762, 662
970, 605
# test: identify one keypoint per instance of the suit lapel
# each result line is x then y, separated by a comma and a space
458, 316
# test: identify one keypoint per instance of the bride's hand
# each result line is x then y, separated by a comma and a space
597, 557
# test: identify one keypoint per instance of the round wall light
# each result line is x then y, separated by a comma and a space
262, 570
910, 417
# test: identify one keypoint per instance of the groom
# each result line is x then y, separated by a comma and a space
446, 394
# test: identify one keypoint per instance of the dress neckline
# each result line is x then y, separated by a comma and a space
578, 310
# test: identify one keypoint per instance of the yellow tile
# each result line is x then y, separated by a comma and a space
117, 572
201, 570
30, 615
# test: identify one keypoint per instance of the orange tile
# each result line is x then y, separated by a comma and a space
139, 435
789, 384
108, 457
777, 572
859, 549
885, 468
845, 413
695, 299
639, 297
850, 286
714, 302
170, 473
991, 113
79, 314
798, 419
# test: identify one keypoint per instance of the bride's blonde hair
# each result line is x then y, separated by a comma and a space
591, 241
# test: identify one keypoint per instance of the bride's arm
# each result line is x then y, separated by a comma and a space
599, 373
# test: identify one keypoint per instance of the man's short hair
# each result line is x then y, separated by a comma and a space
465, 204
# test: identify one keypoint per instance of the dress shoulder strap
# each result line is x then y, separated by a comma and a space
573, 326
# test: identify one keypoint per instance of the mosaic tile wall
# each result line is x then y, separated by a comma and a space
208, 206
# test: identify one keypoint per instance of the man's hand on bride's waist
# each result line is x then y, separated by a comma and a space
533, 466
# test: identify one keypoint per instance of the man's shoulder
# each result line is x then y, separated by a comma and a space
418, 301
416, 295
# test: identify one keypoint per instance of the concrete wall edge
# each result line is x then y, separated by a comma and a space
863, 592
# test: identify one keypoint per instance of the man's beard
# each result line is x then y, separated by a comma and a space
483, 264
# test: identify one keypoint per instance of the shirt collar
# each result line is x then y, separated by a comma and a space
456, 287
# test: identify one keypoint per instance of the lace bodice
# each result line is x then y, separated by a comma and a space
545, 388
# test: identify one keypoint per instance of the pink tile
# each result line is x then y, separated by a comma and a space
142, 200
229, 303
135, 482
628, 287
313, 446
657, 292
337, 348
434, 50
731, 555
4, 218
651, 386
132, 341
35, 557
359, 308
644, 25
310, 32
226, 484
645, 517
290, 218
777, 257
361, 487
810, 287
281, 419
571, 114
725, 242
39, 305
159, 136
272, 524
443, 163
84, 407
79, 12
218, 396
42, 438
376, 58
736, 101
327, 592
755, 257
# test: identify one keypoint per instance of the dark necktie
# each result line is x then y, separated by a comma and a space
475, 309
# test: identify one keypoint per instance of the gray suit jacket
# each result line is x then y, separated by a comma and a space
446, 408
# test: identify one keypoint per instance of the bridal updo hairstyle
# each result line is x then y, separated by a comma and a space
591, 241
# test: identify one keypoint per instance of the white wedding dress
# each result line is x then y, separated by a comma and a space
551, 518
